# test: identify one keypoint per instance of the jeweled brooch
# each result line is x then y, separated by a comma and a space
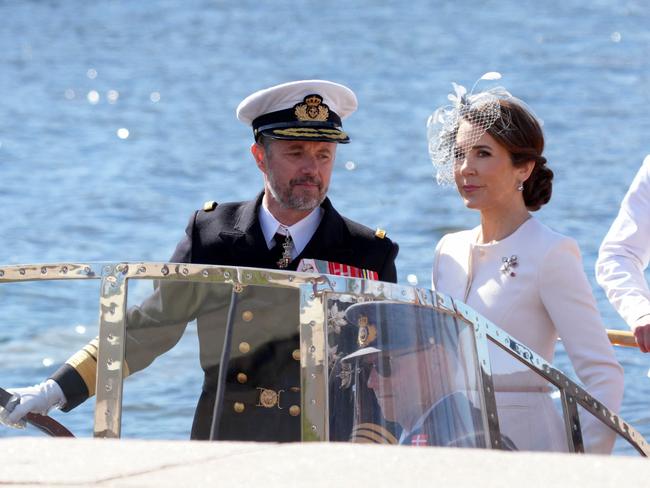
508, 265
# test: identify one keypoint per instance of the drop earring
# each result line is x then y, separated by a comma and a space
520, 187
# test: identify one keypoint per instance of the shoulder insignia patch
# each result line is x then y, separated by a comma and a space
381, 233
209, 206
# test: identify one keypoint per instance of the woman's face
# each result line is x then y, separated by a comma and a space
485, 176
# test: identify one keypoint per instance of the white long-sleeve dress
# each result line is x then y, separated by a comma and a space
545, 295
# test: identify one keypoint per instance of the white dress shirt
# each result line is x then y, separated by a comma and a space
301, 232
548, 295
625, 253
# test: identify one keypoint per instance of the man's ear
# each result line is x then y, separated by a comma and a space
257, 150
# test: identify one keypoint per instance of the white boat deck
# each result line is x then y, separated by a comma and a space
131, 463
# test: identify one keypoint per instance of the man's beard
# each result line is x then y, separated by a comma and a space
288, 199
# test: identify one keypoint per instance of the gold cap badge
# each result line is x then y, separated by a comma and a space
312, 109
367, 332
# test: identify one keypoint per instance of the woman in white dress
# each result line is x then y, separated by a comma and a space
515, 271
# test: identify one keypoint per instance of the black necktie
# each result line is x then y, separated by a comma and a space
281, 251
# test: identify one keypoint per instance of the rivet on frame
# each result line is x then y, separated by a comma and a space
488, 388
64, 270
108, 387
205, 273
22, 271
313, 401
314, 428
291, 278
43, 270
2, 273
312, 348
164, 270
313, 376
312, 323
226, 274
87, 269
142, 269
185, 271
249, 276
403, 293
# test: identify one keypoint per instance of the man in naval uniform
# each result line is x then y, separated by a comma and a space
408, 357
296, 127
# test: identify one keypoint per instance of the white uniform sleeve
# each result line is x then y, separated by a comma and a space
625, 253
567, 296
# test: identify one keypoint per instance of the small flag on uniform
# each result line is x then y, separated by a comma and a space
419, 440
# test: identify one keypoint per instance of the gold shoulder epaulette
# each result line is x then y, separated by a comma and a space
381, 233
209, 206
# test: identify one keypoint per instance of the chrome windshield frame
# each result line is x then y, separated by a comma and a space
314, 290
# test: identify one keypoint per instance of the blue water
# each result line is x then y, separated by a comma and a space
74, 73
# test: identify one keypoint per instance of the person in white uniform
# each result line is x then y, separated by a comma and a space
624, 255
514, 270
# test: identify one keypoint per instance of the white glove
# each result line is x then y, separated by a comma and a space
35, 399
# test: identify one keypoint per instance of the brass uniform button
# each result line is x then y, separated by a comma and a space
381, 233
294, 410
268, 398
239, 407
247, 316
244, 347
242, 378
296, 354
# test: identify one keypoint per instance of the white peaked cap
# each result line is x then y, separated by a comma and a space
303, 110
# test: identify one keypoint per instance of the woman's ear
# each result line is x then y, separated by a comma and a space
526, 169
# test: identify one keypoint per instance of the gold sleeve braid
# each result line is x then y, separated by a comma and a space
368, 433
84, 362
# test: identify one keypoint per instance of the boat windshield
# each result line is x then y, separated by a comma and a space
229, 353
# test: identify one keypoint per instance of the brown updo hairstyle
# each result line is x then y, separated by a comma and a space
519, 132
